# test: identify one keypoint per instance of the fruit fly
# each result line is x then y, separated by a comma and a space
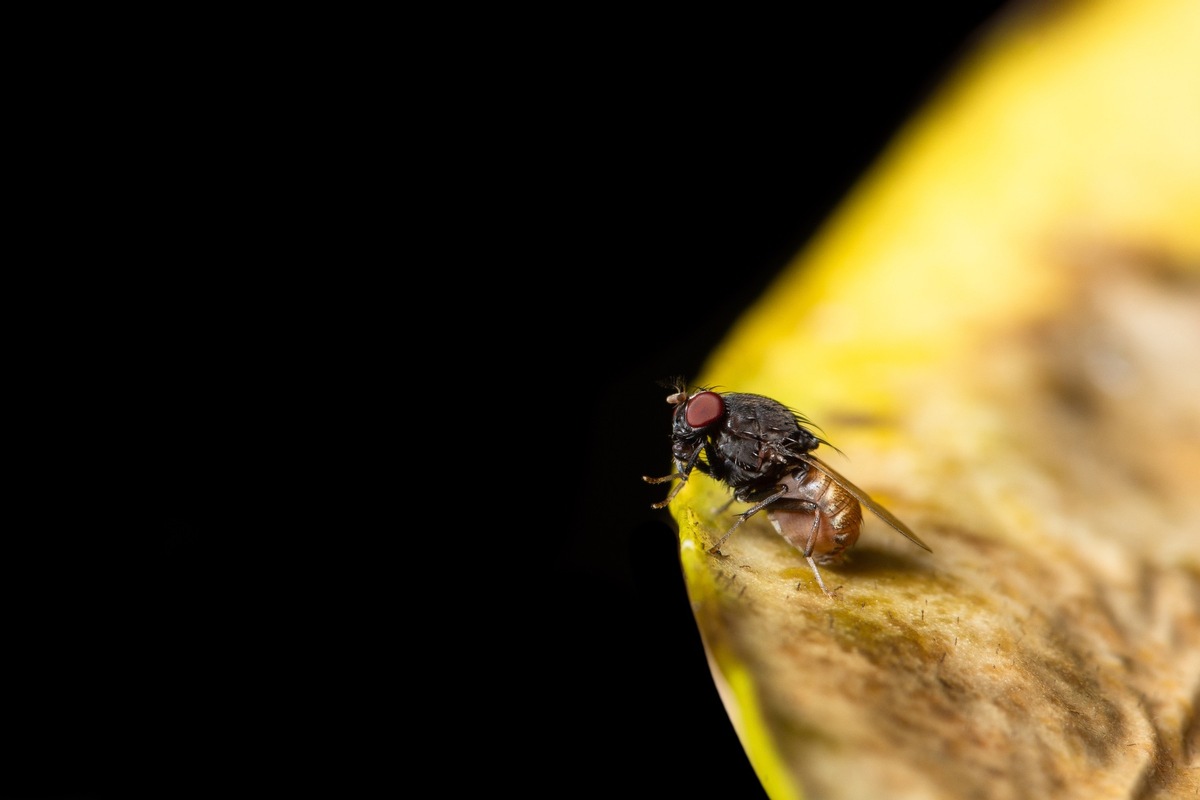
762, 451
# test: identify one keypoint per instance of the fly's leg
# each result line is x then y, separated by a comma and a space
674, 490
745, 515
722, 508
682, 474
811, 543
817, 572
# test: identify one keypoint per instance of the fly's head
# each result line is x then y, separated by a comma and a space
697, 416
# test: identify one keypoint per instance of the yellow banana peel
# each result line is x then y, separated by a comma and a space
1000, 330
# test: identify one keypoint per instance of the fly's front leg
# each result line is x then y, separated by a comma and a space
674, 490
685, 469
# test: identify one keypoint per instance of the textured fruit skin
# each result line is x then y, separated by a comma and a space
1001, 328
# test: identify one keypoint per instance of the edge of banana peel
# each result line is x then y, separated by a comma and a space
733, 679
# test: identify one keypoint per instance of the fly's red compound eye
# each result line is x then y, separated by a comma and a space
704, 409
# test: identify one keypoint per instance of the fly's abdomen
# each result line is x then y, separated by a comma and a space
843, 515
830, 524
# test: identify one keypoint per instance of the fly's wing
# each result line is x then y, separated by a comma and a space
863, 498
